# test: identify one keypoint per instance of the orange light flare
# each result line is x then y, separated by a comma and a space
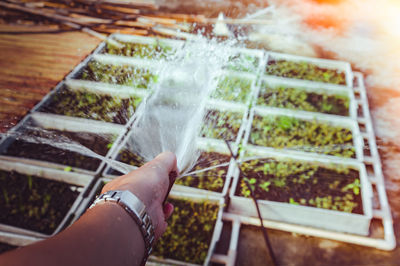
366, 32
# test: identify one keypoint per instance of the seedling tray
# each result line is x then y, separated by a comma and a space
143, 47
313, 97
381, 235
216, 129
55, 177
245, 60
357, 223
67, 129
235, 87
118, 70
121, 104
202, 258
214, 181
286, 117
322, 66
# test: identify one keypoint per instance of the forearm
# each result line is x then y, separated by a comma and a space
105, 235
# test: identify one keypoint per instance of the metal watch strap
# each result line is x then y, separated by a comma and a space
136, 209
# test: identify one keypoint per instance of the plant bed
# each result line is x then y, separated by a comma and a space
188, 237
299, 99
279, 131
87, 104
127, 75
213, 179
34, 203
306, 71
233, 88
301, 183
220, 124
155, 50
98, 143
291, 188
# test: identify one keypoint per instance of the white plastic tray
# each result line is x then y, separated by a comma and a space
258, 54
342, 66
63, 123
304, 215
95, 87
324, 88
333, 120
17, 239
241, 75
220, 105
177, 44
381, 213
217, 227
51, 174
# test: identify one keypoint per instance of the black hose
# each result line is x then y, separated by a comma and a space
264, 230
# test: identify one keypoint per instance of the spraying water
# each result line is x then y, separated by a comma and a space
65, 143
171, 117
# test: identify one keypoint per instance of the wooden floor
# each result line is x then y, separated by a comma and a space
31, 65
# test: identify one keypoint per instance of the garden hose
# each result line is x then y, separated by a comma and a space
264, 230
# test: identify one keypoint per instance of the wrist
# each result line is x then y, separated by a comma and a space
116, 233
136, 209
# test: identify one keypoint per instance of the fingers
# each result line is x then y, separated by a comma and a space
168, 210
164, 163
160, 225
160, 168
159, 231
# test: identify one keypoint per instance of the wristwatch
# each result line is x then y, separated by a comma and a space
136, 209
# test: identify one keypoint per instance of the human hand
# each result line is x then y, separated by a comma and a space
150, 184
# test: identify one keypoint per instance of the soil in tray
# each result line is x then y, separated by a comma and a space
6, 247
189, 233
299, 99
121, 75
34, 203
213, 179
292, 133
221, 125
147, 51
100, 144
232, 88
299, 183
90, 105
131, 158
306, 71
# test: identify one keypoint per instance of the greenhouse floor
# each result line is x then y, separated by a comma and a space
31, 65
